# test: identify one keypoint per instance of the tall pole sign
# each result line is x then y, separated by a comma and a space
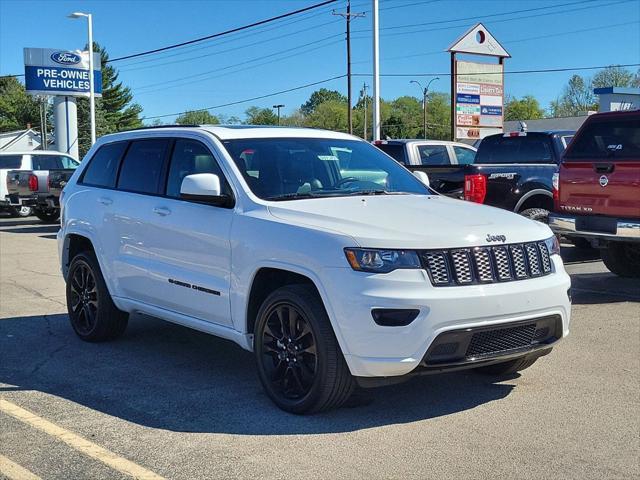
477, 89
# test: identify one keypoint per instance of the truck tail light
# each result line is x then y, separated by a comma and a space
475, 188
33, 183
555, 181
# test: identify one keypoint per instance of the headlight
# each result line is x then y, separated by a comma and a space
381, 261
553, 245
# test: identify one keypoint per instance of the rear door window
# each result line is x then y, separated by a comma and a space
142, 166
433, 155
103, 166
10, 161
465, 156
613, 138
395, 151
46, 162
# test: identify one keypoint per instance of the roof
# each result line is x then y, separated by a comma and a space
425, 142
230, 132
17, 134
547, 124
619, 90
36, 152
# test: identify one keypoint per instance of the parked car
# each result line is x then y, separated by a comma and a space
444, 162
515, 171
38, 183
332, 279
598, 190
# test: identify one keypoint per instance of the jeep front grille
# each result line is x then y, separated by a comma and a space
479, 265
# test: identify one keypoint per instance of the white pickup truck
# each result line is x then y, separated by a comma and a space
334, 272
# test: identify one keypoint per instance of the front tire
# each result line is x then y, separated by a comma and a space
623, 259
300, 364
93, 315
48, 216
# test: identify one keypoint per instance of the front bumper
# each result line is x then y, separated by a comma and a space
605, 228
372, 350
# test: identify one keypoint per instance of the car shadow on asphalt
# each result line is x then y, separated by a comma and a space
166, 376
599, 288
39, 228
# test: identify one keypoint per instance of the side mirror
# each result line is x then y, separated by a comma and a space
423, 177
203, 187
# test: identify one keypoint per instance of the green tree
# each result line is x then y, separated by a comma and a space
526, 108
17, 108
260, 116
197, 117
405, 118
439, 116
330, 115
613, 76
320, 96
577, 98
115, 111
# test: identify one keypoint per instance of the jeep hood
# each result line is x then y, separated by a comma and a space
410, 221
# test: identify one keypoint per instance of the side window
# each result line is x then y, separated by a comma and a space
103, 166
10, 161
142, 166
396, 151
465, 156
433, 155
68, 162
46, 162
189, 157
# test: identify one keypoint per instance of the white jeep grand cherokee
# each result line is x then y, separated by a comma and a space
314, 249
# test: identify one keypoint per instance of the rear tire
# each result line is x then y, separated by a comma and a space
623, 259
20, 212
581, 243
538, 214
300, 364
48, 216
93, 315
507, 368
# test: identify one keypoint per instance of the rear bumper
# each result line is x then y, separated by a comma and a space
17, 201
625, 229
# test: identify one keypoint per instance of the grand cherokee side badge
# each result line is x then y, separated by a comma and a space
604, 181
496, 238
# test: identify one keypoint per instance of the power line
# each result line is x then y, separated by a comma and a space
220, 34
260, 97
547, 70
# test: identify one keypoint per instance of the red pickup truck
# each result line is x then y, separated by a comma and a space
597, 190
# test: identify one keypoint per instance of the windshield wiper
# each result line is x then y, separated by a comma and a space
375, 192
292, 196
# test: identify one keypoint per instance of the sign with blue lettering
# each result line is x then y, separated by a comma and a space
467, 98
491, 111
60, 72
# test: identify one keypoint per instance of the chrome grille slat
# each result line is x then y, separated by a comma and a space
500, 263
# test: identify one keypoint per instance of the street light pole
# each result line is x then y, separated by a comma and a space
278, 107
92, 97
376, 71
425, 92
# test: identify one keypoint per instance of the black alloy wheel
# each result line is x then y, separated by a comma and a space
83, 298
289, 351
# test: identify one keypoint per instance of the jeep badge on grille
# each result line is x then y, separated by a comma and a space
496, 238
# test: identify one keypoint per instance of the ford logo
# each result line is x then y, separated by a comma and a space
66, 58
604, 181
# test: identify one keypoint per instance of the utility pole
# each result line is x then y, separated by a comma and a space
278, 107
376, 72
425, 92
347, 16
364, 127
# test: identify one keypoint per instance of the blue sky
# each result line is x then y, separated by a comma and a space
310, 47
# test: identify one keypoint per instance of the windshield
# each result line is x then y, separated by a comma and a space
291, 168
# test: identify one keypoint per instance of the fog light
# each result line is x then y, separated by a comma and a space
391, 317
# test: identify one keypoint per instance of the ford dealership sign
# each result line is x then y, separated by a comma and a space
66, 58
60, 72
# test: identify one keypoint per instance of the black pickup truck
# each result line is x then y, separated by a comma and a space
513, 171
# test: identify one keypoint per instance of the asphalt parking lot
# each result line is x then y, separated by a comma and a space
175, 403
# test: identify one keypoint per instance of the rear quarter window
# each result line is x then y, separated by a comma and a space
433, 155
522, 149
10, 161
103, 166
614, 138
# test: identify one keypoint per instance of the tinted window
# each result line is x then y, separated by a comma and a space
190, 157
289, 168
394, 150
465, 156
433, 155
103, 166
531, 148
611, 138
10, 161
142, 166
53, 162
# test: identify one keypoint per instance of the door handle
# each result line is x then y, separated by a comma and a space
604, 167
105, 201
162, 211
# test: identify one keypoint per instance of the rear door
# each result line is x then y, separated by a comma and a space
600, 172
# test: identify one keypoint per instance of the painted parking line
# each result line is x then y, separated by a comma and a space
78, 443
13, 471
